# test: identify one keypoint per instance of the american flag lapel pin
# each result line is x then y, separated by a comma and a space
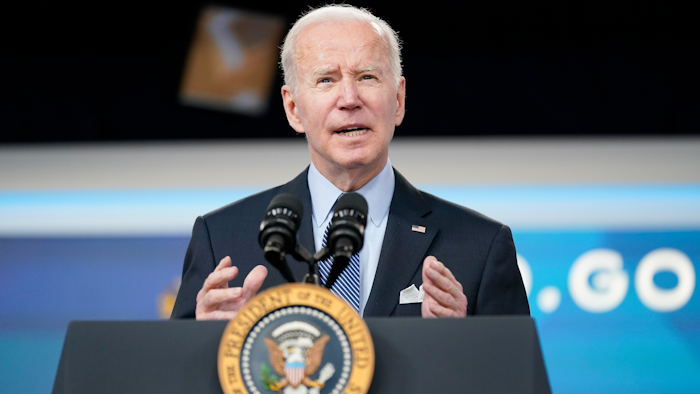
418, 229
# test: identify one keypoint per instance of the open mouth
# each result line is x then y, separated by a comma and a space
352, 131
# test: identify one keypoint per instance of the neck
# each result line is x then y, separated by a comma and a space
350, 180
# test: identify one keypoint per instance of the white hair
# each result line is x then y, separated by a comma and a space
339, 13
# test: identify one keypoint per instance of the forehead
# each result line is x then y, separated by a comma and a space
351, 43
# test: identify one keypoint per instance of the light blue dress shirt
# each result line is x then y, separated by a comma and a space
378, 192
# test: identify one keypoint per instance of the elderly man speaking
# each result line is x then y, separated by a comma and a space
345, 91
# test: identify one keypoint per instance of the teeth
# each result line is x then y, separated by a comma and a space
353, 131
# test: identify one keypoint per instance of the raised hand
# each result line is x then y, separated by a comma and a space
444, 295
217, 301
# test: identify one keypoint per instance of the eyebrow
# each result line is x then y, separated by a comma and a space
368, 69
325, 71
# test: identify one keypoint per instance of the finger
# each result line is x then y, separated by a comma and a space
442, 277
427, 263
430, 260
457, 304
226, 300
254, 280
443, 270
442, 282
216, 297
433, 309
217, 280
441, 297
441, 311
425, 307
225, 262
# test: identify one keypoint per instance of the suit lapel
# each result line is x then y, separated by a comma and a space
299, 187
403, 250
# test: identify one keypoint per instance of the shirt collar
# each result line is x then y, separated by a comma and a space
378, 192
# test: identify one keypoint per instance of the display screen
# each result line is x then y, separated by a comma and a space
232, 61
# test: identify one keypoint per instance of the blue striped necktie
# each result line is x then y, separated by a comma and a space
347, 286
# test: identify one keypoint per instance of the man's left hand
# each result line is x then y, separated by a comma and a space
444, 295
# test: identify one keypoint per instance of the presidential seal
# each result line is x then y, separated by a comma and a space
296, 339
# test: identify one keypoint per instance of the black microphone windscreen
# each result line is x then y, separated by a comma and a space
289, 201
352, 201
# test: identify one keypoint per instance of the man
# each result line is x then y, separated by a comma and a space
345, 92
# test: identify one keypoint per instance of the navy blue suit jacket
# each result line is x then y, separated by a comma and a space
478, 250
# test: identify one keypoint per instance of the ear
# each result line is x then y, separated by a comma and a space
401, 101
291, 109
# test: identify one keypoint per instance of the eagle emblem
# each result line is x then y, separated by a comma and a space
296, 357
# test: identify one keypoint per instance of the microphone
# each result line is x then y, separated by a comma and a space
278, 231
347, 232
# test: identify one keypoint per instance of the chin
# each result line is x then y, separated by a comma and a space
358, 162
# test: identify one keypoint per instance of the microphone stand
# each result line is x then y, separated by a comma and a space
303, 255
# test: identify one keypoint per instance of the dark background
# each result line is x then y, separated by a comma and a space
111, 71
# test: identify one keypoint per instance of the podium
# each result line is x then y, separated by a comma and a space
489, 354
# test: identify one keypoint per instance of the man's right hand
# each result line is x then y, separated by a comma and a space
216, 301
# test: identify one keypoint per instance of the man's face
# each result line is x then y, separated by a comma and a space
347, 100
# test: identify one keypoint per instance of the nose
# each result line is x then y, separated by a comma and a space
349, 95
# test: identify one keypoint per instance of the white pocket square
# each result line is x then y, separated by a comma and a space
411, 295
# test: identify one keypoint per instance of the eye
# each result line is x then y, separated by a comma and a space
324, 80
368, 77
